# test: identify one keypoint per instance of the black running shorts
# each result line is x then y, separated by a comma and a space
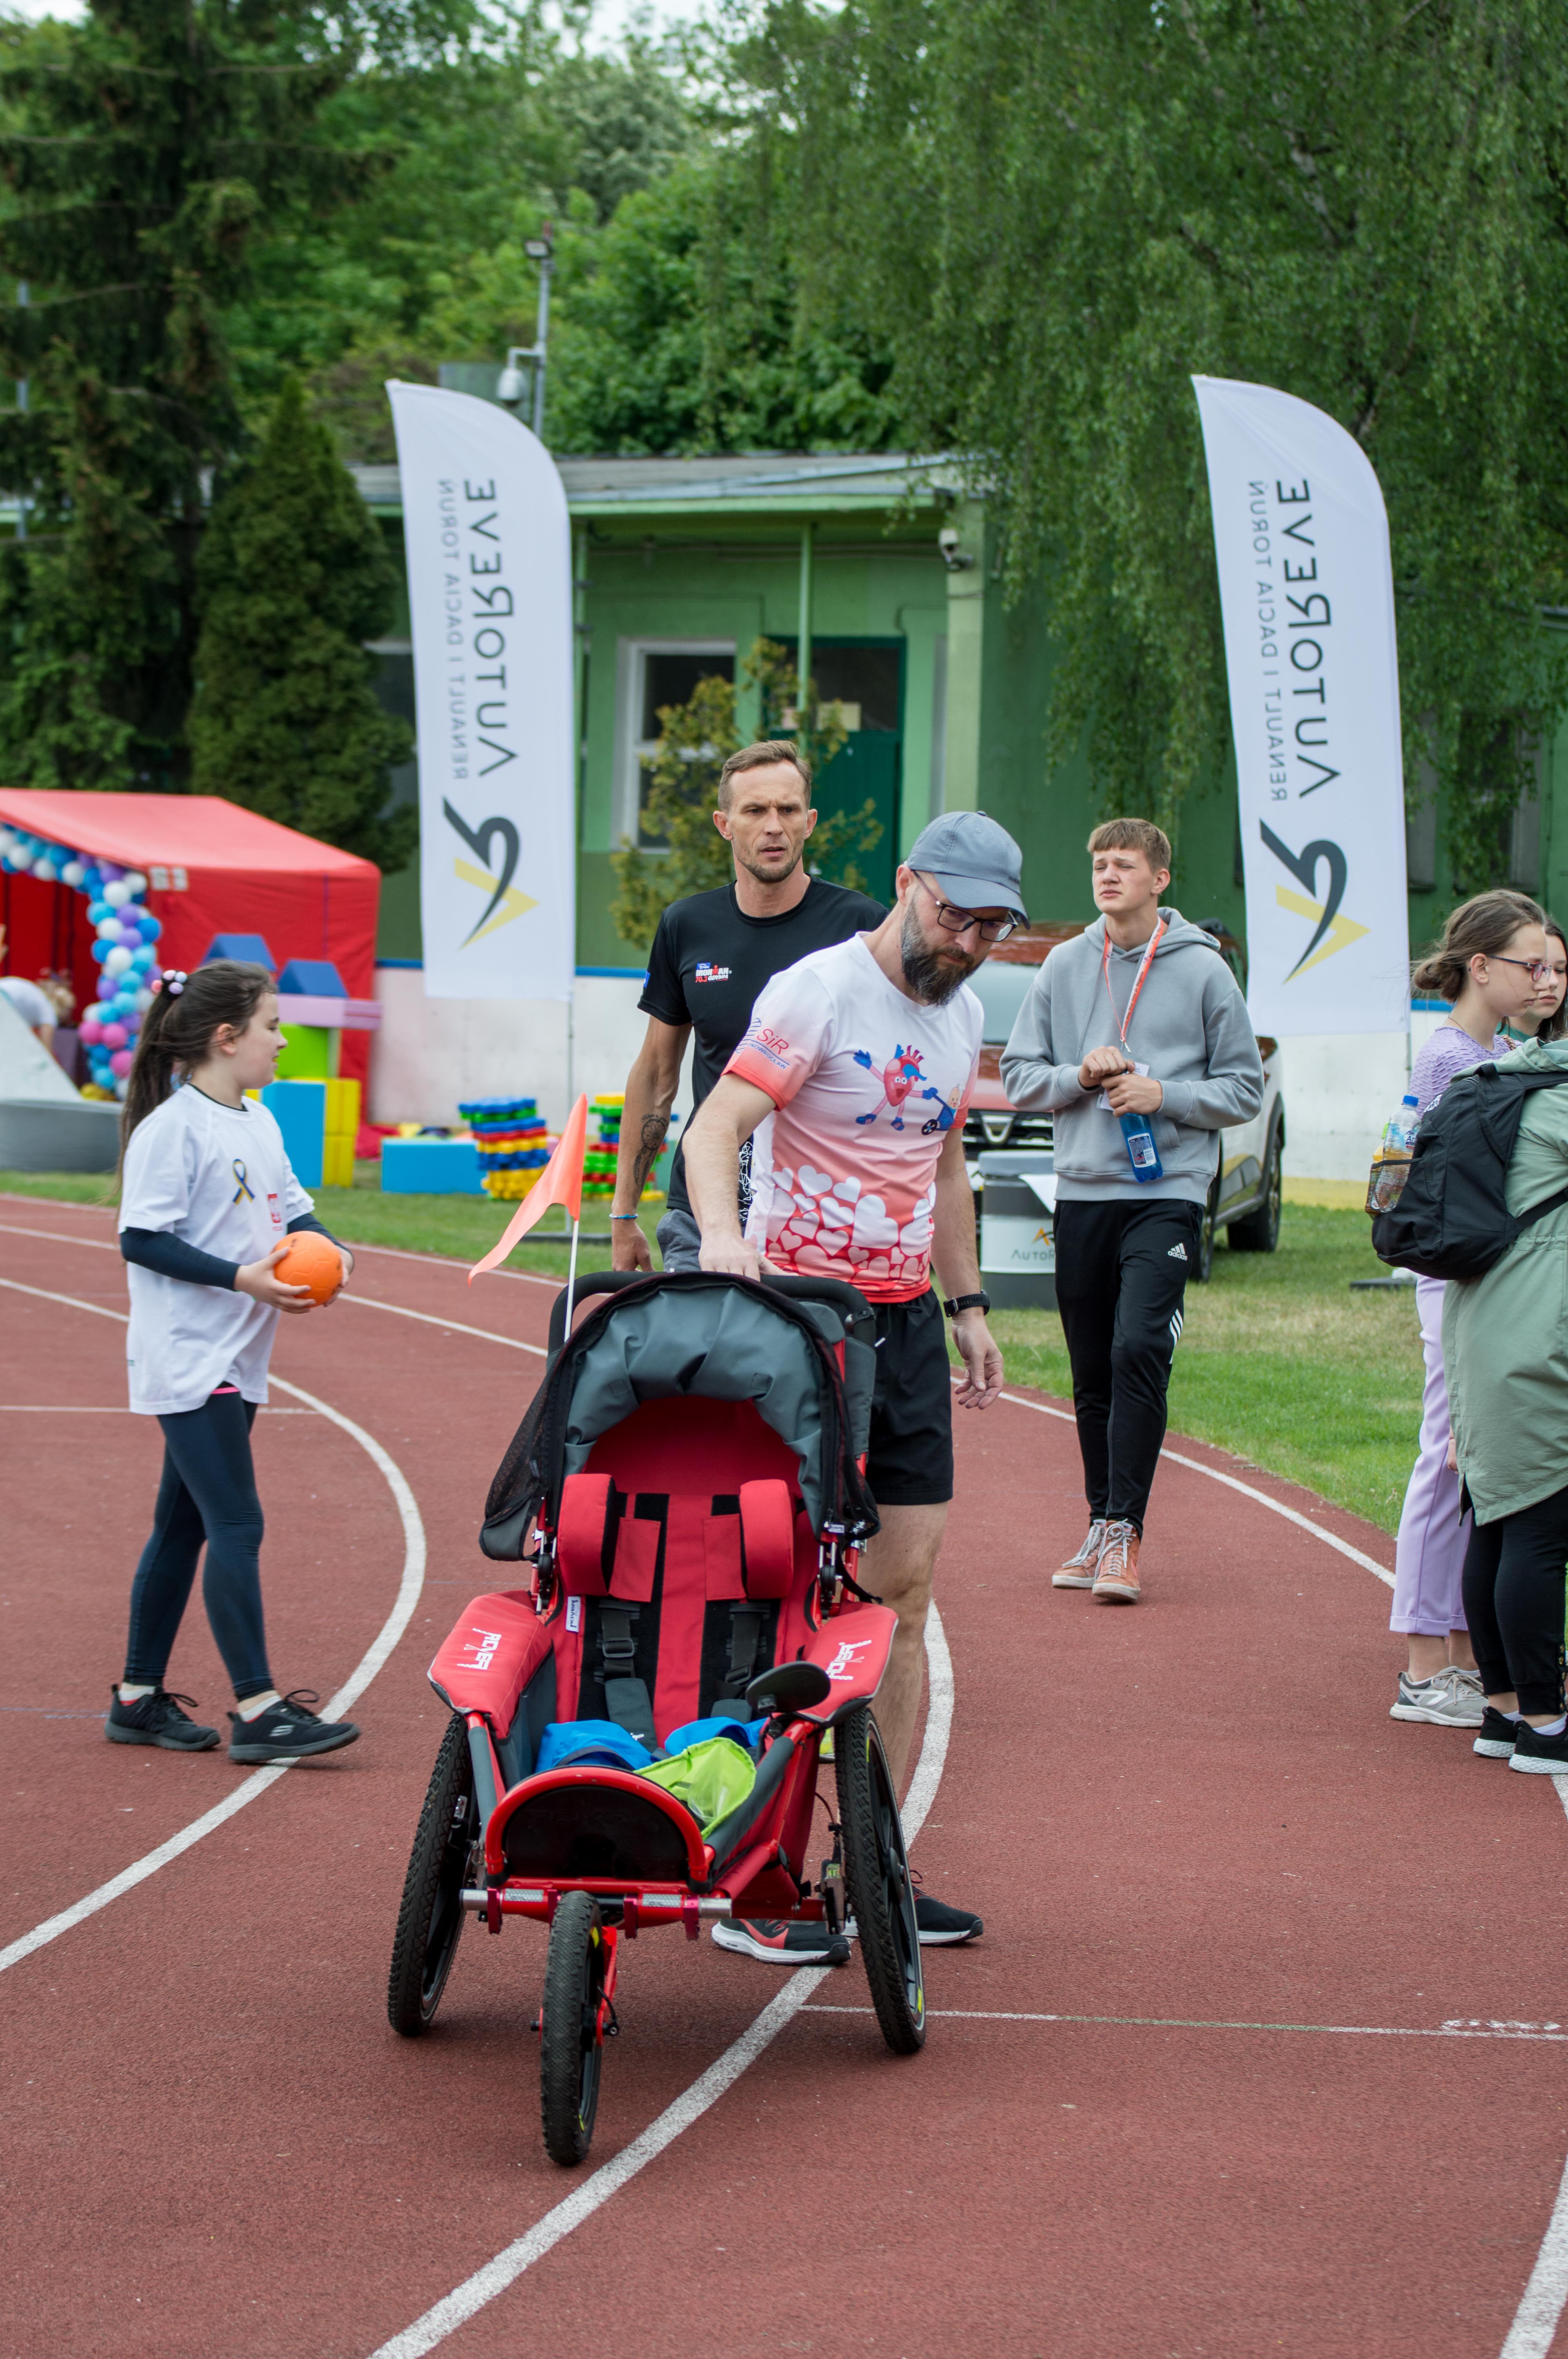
910, 1464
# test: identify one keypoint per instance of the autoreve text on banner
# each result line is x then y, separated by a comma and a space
1307, 596
489, 541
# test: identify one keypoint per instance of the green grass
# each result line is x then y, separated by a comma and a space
1278, 1361
1281, 1362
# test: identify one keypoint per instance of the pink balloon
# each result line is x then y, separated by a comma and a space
114, 1036
121, 1061
90, 1032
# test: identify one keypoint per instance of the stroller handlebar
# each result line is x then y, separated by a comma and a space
848, 1300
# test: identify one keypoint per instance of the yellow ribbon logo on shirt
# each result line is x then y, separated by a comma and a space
244, 1188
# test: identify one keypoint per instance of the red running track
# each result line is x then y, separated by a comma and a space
1191, 2096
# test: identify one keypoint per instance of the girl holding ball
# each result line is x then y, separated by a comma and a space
208, 1205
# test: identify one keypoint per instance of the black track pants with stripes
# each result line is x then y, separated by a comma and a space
1122, 1271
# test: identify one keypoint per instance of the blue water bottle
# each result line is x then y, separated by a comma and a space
1141, 1150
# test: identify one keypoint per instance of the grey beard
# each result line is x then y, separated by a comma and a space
926, 976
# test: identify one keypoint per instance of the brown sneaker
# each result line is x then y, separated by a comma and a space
1116, 1583
1078, 1573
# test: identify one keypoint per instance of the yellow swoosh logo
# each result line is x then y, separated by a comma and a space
1340, 935
513, 905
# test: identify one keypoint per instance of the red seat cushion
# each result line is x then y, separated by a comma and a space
585, 1536
767, 1536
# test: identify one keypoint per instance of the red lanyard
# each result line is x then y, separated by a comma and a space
1147, 959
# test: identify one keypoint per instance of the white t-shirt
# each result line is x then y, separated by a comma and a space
866, 1084
31, 1004
217, 1176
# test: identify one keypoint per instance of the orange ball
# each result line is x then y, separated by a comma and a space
314, 1261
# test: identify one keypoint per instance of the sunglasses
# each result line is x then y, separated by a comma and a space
953, 920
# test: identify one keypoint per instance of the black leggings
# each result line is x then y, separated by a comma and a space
208, 1493
1513, 1602
1122, 1271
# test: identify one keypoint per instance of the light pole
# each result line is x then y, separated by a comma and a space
513, 384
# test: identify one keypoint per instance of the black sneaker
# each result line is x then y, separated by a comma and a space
941, 1928
156, 1719
288, 1731
1547, 1756
778, 1944
1495, 1737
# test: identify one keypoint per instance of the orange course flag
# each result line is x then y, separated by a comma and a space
560, 1182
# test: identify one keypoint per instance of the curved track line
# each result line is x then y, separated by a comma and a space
1546, 2295
1277, 1506
359, 1678
429, 1318
467, 2300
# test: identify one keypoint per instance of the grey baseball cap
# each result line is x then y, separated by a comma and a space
972, 862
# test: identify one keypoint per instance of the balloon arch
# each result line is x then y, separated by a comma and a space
126, 931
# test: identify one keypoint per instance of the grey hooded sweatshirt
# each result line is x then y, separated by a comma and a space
1191, 1030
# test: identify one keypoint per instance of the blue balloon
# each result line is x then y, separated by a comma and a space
151, 926
141, 960
97, 911
100, 951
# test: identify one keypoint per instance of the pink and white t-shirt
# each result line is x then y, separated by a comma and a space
866, 1084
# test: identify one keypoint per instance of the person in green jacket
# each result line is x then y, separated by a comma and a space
1505, 1347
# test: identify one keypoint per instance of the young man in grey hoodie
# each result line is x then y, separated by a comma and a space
1140, 1014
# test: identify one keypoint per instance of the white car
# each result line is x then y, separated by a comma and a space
1245, 1199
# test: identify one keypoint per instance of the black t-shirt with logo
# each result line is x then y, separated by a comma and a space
709, 962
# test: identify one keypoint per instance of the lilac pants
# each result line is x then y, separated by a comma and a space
1429, 1561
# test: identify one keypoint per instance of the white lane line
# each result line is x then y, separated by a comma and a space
363, 1301
1541, 2304
359, 1678
75, 1408
452, 1261
58, 1237
466, 2299
1189, 2023
1248, 1490
455, 1326
395, 1252
1546, 2295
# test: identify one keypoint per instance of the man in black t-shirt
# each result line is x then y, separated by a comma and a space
712, 954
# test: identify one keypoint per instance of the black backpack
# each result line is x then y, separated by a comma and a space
1452, 1219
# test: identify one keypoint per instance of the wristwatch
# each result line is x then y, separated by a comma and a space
967, 1302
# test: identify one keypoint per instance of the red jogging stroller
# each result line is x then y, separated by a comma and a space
690, 1477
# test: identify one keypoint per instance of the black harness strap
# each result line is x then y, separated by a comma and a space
747, 1622
626, 1699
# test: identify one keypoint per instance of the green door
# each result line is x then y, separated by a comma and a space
865, 677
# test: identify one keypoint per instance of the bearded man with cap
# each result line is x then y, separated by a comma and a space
852, 1083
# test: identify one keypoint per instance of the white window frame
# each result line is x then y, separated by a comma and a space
632, 750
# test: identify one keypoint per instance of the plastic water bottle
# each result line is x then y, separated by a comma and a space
1392, 1163
1399, 1133
1141, 1150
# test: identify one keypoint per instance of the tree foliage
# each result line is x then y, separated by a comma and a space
293, 578
1055, 211
501, 129
142, 148
695, 741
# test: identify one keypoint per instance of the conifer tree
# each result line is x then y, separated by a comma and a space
158, 134
293, 578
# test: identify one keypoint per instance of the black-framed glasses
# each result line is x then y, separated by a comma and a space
1539, 971
953, 920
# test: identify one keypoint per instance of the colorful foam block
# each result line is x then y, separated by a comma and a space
430, 1167
250, 948
299, 1109
317, 978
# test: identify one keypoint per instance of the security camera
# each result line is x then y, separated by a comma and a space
953, 557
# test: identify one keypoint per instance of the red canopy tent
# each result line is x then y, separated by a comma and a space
212, 868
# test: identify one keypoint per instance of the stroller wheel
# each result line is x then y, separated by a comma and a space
571, 2052
876, 1868
431, 1916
